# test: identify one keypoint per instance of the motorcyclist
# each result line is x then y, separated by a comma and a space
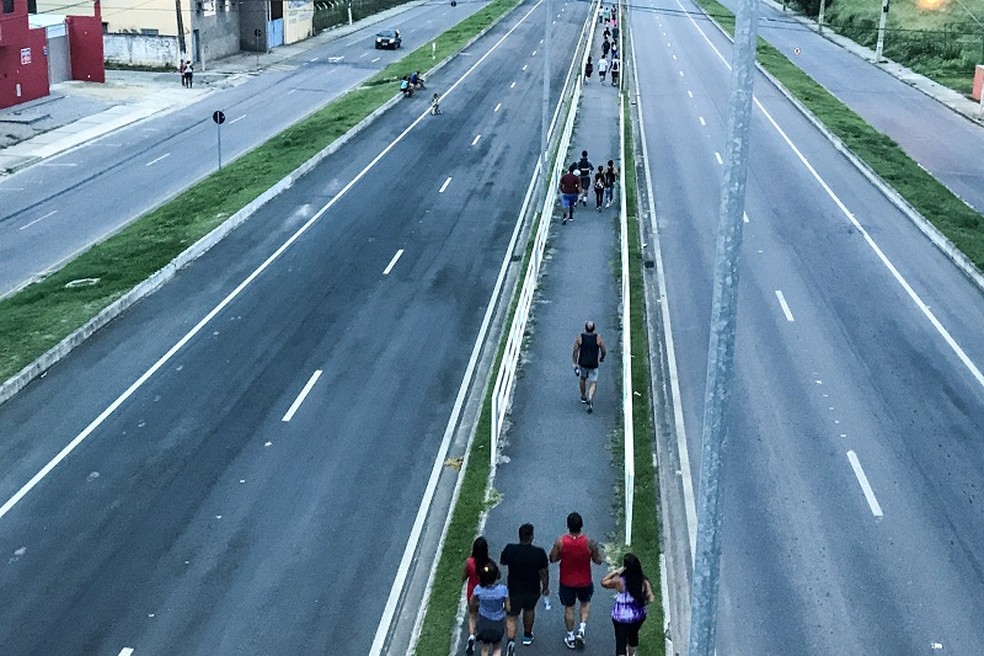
406, 87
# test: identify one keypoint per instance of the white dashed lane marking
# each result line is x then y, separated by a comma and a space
784, 306
154, 161
303, 395
38, 220
475, 140
445, 185
869, 494
389, 267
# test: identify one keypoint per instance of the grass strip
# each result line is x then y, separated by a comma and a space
959, 222
645, 518
41, 315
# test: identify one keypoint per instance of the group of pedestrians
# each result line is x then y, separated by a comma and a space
581, 177
187, 72
494, 608
609, 63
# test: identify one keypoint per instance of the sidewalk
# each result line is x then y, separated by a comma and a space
556, 458
78, 112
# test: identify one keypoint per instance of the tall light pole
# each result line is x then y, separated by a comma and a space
823, 6
881, 31
544, 111
720, 357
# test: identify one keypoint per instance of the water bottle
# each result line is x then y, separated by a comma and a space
546, 603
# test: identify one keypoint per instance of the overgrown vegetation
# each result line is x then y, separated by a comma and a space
961, 224
332, 13
41, 315
941, 39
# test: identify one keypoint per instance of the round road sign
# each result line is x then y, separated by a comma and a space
218, 117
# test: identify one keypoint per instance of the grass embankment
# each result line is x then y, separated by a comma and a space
41, 315
961, 224
645, 518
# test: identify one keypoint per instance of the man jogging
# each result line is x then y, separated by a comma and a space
575, 552
585, 169
589, 352
570, 190
528, 578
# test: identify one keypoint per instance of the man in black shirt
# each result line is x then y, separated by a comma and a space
589, 352
528, 578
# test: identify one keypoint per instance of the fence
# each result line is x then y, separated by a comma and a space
332, 13
506, 376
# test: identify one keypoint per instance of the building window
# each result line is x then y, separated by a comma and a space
149, 31
8, 6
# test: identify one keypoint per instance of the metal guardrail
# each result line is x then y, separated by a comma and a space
506, 375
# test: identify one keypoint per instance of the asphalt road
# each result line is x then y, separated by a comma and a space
57, 208
853, 492
219, 509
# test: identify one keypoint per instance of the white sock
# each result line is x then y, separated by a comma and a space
582, 627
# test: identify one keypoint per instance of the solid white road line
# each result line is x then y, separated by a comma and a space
784, 305
303, 395
37, 220
687, 481
389, 267
888, 264
475, 140
154, 161
717, 156
869, 494
236, 120
702, 121
445, 185
230, 297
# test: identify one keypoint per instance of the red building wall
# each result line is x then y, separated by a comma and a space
23, 64
85, 42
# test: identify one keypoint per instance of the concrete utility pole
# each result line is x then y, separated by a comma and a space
545, 108
181, 28
720, 357
881, 31
823, 6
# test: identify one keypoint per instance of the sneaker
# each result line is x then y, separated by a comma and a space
527, 639
584, 399
564, 222
590, 410
470, 645
511, 648
579, 638
569, 640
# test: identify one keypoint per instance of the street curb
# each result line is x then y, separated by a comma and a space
52, 356
925, 226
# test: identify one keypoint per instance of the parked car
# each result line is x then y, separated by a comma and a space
388, 39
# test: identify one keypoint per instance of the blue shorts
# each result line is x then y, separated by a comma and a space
569, 200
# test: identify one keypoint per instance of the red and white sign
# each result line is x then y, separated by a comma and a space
25, 56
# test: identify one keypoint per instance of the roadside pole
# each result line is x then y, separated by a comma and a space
544, 110
880, 46
219, 118
720, 357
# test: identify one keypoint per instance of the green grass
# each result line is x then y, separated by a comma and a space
963, 225
41, 315
645, 518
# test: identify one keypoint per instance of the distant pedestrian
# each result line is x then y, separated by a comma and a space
607, 34
490, 603
606, 14
189, 74
602, 69
599, 187
606, 47
585, 168
570, 191
470, 573
616, 68
614, 51
614, 34
575, 552
611, 177
435, 105
588, 70
589, 353
629, 611
181, 73
528, 578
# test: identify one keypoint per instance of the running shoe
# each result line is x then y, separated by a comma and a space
527, 639
510, 648
569, 641
590, 410
470, 645
584, 399
579, 638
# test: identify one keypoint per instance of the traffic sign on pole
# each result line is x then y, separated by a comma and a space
219, 117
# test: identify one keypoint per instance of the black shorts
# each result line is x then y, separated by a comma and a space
522, 601
568, 595
585, 184
489, 631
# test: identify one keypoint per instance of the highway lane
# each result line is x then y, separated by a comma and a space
945, 143
196, 519
853, 522
54, 210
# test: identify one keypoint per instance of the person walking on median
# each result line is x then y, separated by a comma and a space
528, 578
570, 190
181, 72
589, 353
473, 564
605, 47
602, 69
599, 187
615, 68
585, 169
588, 70
490, 604
629, 611
189, 74
611, 177
575, 552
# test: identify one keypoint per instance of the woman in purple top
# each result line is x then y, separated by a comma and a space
491, 601
629, 611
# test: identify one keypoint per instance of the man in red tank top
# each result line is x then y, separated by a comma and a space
575, 552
